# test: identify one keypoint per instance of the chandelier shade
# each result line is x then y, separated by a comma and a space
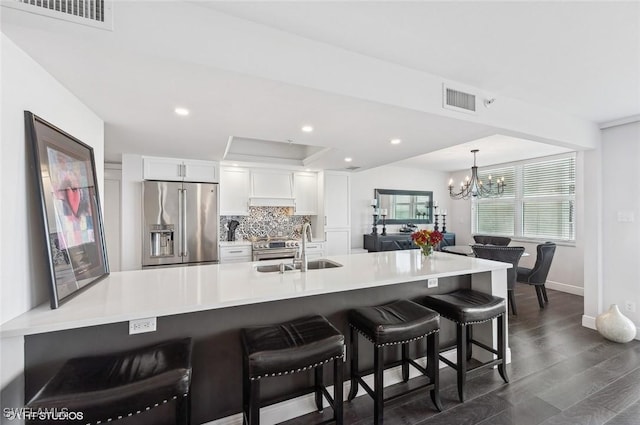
473, 187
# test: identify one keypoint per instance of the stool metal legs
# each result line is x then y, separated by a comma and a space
464, 342
377, 393
433, 368
319, 383
353, 344
502, 331
183, 410
461, 342
251, 393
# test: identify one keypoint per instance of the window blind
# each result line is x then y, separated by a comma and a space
495, 218
538, 201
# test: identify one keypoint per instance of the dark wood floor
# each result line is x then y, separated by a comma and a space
561, 373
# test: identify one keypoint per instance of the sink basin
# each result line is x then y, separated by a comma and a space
322, 264
311, 265
274, 268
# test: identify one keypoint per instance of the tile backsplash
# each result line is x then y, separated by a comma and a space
265, 221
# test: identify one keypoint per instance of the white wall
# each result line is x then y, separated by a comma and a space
391, 177
621, 202
27, 86
24, 282
567, 271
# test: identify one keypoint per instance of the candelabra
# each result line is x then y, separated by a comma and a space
444, 221
384, 228
374, 205
435, 215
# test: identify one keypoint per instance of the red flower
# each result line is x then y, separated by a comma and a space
426, 237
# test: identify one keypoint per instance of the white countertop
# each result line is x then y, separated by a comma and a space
236, 243
138, 294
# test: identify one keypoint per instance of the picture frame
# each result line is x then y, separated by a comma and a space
65, 175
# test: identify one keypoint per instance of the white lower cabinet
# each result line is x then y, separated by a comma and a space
235, 254
315, 250
337, 242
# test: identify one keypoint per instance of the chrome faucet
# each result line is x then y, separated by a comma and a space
302, 259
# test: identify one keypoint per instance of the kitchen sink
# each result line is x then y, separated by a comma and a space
322, 264
274, 268
311, 265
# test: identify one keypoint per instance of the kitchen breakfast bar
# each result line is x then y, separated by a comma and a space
211, 303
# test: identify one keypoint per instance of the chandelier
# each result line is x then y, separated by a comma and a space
474, 188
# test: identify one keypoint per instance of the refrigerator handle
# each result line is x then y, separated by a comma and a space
184, 224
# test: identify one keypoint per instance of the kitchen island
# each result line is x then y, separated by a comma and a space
211, 303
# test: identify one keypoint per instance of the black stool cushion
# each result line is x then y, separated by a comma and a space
466, 305
393, 323
291, 346
116, 385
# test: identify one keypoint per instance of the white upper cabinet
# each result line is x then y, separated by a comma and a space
305, 191
172, 169
271, 188
235, 186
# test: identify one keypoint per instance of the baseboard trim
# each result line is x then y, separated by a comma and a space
589, 322
563, 287
302, 405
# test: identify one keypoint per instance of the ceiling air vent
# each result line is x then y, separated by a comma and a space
458, 101
96, 13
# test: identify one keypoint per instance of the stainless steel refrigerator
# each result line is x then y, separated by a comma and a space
180, 223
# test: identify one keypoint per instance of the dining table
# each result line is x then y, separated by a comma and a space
465, 250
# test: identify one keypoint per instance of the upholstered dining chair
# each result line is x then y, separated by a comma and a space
492, 240
506, 254
537, 276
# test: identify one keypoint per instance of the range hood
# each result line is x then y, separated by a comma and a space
260, 201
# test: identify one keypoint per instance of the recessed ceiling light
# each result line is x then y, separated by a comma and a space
182, 111
307, 129
307, 169
235, 165
348, 159
395, 141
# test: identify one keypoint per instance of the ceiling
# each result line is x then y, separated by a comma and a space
579, 59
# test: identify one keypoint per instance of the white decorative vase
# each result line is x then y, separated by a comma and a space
614, 326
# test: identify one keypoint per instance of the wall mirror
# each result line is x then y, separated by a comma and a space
405, 206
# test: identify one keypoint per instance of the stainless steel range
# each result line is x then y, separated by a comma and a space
275, 249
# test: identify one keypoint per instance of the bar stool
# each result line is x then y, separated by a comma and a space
109, 387
399, 322
466, 308
290, 347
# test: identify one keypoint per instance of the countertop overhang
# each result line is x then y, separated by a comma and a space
131, 295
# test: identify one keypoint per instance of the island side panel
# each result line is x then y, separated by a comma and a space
495, 283
216, 384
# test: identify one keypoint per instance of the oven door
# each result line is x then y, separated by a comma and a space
274, 254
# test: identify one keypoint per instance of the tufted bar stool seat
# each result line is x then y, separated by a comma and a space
284, 348
466, 307
105, 388
399, 322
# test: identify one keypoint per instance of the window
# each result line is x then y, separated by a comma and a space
538, 203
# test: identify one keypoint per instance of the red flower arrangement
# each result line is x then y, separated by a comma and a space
426, 240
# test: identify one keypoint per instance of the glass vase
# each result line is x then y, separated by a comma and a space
426, 250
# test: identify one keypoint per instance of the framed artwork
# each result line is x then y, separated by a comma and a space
71, 214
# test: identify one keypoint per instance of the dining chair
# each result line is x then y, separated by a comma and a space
492, 240
537, 276
506, 254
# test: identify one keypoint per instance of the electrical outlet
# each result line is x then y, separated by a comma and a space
630, 306
142, 325
432, 283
